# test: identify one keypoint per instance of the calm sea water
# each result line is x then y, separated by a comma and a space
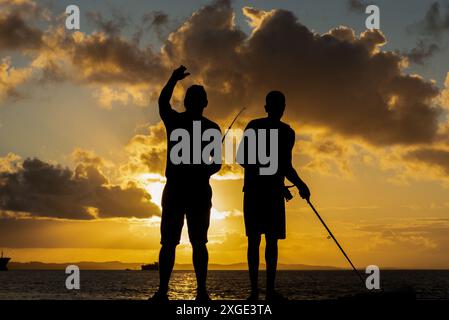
297, 285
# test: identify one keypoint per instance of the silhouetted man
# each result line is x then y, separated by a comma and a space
187, 191
264, 204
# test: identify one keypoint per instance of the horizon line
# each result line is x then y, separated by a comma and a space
305, 266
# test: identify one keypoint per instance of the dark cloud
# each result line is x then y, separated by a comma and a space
335, 80
438, 158
422, 52
330, 147
345, 85
435, 22
431, 27
48, 190
338, 81
356, 5
112, 26
16, 33
113, 59
155, 19
208, 43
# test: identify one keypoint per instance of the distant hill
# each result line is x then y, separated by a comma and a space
244, 266
117, 265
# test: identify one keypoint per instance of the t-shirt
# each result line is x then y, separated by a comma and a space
187, 172
286, 140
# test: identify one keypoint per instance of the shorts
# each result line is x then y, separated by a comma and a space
194, 203
264, 213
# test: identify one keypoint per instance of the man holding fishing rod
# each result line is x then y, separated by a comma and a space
264, 195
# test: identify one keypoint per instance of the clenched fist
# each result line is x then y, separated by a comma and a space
304, 191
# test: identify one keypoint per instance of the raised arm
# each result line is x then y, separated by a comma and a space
164, 98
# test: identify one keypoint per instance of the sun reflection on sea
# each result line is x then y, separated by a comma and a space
183, 286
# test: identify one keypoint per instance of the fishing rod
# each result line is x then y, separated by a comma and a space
232, 123
336, 242
330, 233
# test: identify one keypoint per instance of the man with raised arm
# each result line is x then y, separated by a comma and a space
264, 204
187, 191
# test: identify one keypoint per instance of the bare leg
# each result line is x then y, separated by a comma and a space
166, 263
271, 258
253, 264
200, 260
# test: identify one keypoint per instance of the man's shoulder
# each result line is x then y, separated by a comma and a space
265, 122
169, 115
257, 123
286, 127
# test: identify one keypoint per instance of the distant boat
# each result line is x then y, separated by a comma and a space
150, 266
3, 263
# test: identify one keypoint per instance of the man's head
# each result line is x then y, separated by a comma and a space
275, 105
195, 100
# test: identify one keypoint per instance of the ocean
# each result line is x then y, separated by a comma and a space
223, 285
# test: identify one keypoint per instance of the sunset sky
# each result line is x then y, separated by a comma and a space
82, 148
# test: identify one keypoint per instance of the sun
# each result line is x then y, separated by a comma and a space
153, 184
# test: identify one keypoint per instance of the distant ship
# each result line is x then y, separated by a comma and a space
150, 266
3, 262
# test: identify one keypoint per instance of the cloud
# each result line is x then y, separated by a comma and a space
356, 5
11, 78
9, 163
155, 20
338, 81
421, 234
146, 152
344, 83
422, 52
435, 22
108, 95
88, 158
15, 32
101, 59
46, 190
320, 153
431, 27
111, 59
113, 26
408, 164
435, 158
445, 93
